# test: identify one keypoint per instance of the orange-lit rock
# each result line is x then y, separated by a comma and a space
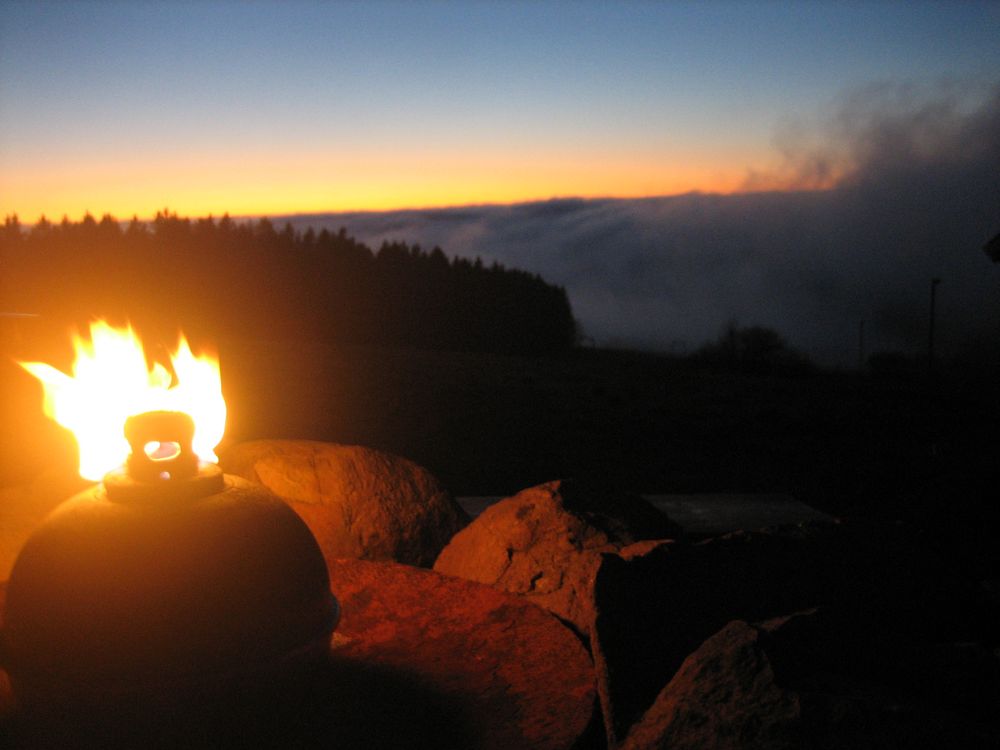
545, 544
419, 660
358, 502
426, 660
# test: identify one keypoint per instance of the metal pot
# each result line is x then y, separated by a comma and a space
168, 584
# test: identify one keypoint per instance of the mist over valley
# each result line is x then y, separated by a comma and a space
916, 194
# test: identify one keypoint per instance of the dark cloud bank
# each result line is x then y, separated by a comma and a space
917, 196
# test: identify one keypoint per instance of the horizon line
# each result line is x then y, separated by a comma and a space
426, 207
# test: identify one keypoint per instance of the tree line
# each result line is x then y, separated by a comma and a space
220, 277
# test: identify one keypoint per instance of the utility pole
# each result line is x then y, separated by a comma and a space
930, 328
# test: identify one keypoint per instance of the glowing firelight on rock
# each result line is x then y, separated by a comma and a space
112, 382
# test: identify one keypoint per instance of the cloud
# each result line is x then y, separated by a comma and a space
911, 192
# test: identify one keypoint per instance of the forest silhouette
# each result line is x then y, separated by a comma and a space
222, 278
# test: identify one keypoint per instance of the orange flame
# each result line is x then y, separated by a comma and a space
111, 382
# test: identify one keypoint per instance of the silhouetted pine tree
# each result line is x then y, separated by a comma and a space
247, 279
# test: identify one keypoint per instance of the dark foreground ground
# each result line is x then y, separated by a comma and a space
890, 446
893, 640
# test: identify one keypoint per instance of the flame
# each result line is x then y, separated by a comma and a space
111, 382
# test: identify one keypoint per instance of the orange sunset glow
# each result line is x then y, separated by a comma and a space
255, 186
353, 108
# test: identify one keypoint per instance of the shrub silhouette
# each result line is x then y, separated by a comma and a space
753, 349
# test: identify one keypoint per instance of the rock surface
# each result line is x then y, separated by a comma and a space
724, 697
820, 680
358, 502
508, 673
421, 660
653, 607
545, 544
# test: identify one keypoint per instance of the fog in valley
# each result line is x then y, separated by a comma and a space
851, 226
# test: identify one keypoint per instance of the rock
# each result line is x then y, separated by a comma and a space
506, 672
655, 604
418, 660
815, 679
545, 544
645, 605
358, 502
654, 609
723, 696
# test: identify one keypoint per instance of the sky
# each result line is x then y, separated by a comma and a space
275, 108
918, 197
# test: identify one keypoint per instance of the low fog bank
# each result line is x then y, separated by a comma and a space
916, 195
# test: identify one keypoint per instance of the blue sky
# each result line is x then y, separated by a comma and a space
268, 107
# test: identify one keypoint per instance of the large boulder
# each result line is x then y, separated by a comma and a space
507, 675
724, 697
545, 543
359, 502
652, 609
822, 679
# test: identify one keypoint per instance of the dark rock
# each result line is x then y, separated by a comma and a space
832, 655
723, 696
654, 609
820, 680
358, 502
545, 543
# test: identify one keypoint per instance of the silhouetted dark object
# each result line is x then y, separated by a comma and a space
930, 327
219, 279
167, 588
753, 349
992, 249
